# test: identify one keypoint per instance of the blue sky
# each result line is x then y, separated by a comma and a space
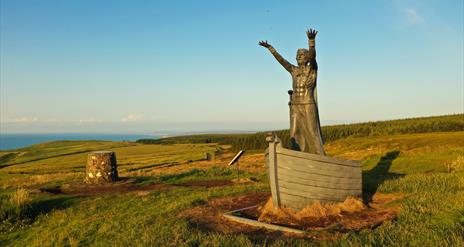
146, 66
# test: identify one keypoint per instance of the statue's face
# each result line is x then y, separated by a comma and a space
302, 56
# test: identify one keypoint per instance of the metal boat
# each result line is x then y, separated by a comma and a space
298, 179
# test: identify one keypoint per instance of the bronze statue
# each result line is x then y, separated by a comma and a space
305, 128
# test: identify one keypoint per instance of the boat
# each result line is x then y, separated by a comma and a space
298, 179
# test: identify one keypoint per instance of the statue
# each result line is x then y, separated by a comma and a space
305, 128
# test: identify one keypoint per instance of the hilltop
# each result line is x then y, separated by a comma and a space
39, 207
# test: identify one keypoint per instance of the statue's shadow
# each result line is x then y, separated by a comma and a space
373, 178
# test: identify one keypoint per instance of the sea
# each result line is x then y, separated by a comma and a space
14, 141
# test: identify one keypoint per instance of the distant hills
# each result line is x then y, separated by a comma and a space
253, 141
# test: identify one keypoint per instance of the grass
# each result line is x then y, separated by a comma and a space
257, 141
418, 153
19, 198
413, 164
71, 164
55, 149
456, 165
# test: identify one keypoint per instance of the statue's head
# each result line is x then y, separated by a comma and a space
302, 56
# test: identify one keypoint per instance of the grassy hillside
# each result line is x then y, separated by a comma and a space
54, 149
330, 133
67, 159
427, 168
200, 138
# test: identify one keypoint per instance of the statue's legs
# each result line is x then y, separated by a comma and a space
305, 131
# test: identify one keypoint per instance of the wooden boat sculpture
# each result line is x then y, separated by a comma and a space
298, 179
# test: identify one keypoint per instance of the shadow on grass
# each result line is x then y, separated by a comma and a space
46, 206
179, 176
136, 179
373, 178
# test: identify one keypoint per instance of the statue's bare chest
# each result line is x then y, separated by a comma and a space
303, 76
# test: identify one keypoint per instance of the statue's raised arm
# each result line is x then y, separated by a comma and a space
311, 33
288, 66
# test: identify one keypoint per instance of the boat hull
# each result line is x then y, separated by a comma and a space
298, 179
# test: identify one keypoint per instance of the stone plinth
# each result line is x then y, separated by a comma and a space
101, 167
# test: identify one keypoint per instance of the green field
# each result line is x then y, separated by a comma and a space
427, 167
257, 141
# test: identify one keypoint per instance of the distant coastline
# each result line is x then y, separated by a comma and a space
16, 140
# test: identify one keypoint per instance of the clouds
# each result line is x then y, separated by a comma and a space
21, 120
410, 13
411, 17
131, 118
88, 121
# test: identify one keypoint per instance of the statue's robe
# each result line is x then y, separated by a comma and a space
305, 127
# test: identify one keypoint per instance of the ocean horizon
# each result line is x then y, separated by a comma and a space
10, 141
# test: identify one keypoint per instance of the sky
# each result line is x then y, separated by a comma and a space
147, 66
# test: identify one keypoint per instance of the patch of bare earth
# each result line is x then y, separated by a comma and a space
126, 186
209, 217
208, 183
321, 221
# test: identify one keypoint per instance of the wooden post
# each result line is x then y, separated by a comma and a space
272, 168
101, 167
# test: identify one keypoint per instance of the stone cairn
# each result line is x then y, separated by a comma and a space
101, 167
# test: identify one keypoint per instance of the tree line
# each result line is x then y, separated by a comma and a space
255, 141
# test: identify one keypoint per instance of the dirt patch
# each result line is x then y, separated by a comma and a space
207, 183
128, 185
217, 183
322, 221
209, 217
120, 187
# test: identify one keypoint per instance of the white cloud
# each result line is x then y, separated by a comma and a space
131, 118
86, 121
21, 120
412, 17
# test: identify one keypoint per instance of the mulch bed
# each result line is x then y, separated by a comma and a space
209, 217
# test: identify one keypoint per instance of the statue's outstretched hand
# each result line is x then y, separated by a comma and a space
264, 44
311, 33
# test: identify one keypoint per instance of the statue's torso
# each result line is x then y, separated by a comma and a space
305, 132
304, 83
